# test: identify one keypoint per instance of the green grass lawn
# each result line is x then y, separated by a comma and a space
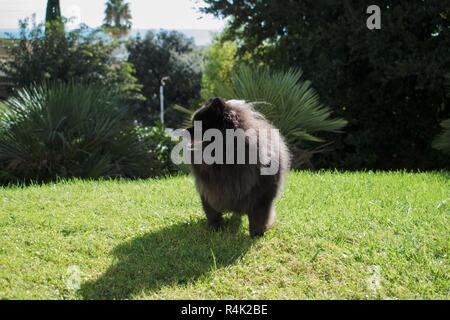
338, 236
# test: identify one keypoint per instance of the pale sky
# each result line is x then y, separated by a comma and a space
147, 14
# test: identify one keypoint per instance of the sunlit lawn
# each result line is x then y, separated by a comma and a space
338, 235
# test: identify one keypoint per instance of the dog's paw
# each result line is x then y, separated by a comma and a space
215, 225
257, 233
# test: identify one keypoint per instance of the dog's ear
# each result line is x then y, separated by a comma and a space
224, 112
216, 104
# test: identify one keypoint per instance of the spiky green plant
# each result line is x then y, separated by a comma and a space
69, 130
285, 99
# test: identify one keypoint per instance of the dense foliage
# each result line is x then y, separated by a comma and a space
73, 130
167, 55
57, 55
388, 83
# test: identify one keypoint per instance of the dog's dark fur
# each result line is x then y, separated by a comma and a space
239, 188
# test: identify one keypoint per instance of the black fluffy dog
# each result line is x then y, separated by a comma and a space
241, 188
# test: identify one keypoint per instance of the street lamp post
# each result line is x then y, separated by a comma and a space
161, 97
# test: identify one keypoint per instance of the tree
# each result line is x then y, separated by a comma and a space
166, 54
388, 83
53, 11
117, 17
220, 61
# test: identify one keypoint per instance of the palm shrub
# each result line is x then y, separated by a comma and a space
69, 130
117, 17
286, 100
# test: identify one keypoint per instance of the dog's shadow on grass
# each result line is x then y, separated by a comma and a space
175, 255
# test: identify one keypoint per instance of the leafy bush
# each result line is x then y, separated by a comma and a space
56, 55
288, 101
71, 130
160, 144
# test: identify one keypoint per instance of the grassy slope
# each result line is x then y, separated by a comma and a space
351, 235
